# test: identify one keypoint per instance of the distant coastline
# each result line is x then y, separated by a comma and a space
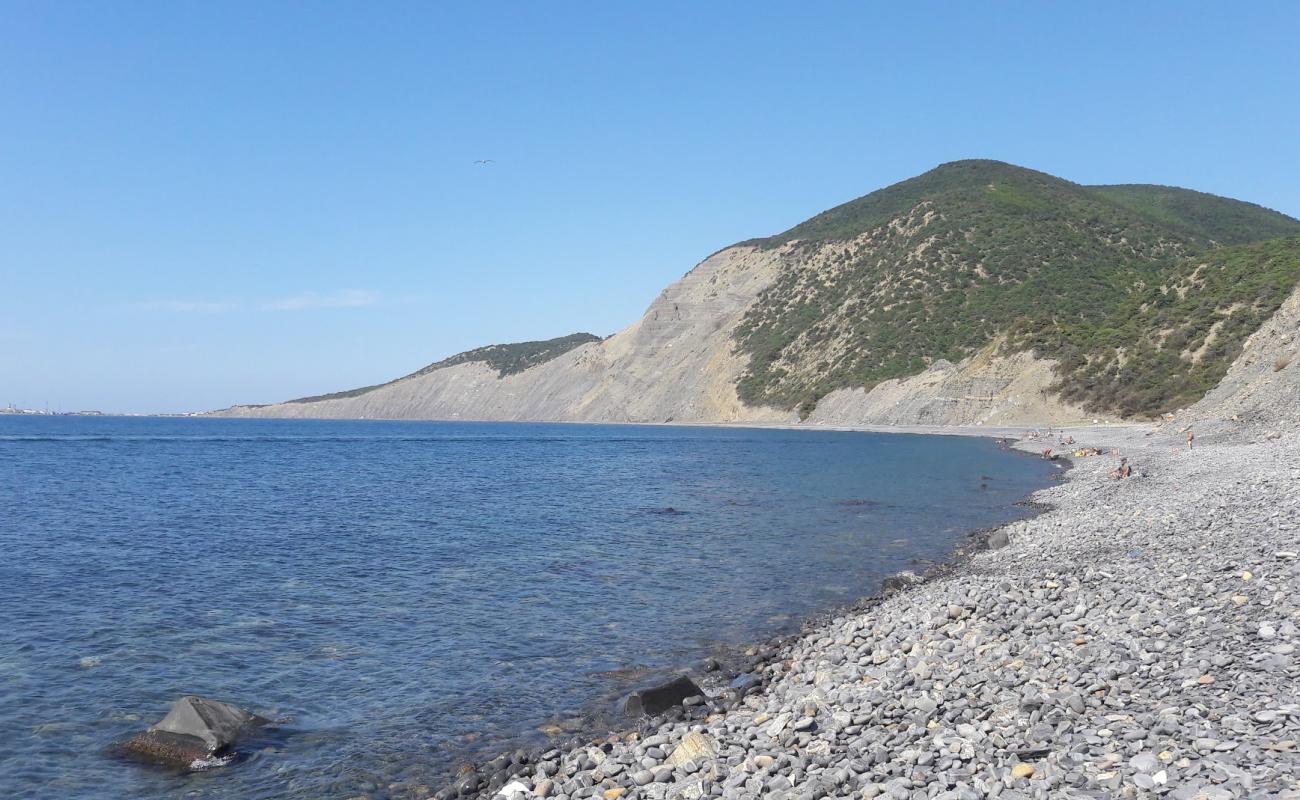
36, 412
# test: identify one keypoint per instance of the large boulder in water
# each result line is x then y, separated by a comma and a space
658, 699
194, 729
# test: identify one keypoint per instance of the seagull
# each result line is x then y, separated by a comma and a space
483, 162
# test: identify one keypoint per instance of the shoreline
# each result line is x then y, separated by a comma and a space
764, 745
988, 431
739, 660
602, 717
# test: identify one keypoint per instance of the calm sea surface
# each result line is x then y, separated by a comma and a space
403, 595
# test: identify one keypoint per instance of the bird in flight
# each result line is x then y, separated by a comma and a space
483, 162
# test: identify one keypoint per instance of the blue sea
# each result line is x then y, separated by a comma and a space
404, 596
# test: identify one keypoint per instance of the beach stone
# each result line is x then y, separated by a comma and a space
658, 699
511, 788
745, 681
1144, 762
696, 747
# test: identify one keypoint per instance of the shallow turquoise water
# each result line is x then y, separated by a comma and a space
403, 595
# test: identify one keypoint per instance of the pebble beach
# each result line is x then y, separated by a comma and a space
1136, 639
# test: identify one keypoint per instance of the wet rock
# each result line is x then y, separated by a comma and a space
167, 749
658, 699
899, 581
194, 729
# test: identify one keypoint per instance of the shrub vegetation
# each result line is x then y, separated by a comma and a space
506, 359
1143, 294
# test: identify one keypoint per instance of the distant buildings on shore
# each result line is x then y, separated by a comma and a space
12, 409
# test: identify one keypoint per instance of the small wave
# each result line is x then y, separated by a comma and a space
211, 762
858, 502
77, 439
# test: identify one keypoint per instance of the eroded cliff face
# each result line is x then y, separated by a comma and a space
678, 363
675, 364
1263, 385
986, 389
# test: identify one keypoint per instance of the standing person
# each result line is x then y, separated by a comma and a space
1190, 437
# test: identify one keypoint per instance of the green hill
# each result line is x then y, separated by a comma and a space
974, 252
1200, 215
506, 359
1164, 346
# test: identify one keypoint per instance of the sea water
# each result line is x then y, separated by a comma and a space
402, 596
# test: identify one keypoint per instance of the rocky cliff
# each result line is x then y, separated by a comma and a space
1262, 388
675, 364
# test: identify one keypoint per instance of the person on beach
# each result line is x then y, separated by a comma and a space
1047, 453
1122, 471
1190, 437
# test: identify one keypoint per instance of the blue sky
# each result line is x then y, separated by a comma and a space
210, 203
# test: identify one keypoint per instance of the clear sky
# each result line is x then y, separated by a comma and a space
210, 203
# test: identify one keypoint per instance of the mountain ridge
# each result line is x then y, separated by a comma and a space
977, 265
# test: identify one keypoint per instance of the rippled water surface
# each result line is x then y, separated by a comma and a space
401, 595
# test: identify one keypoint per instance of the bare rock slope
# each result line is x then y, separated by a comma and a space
988, 388
1262, 388
676, 363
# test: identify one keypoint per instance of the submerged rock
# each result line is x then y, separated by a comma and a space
899, 581
195, 729
658, 699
